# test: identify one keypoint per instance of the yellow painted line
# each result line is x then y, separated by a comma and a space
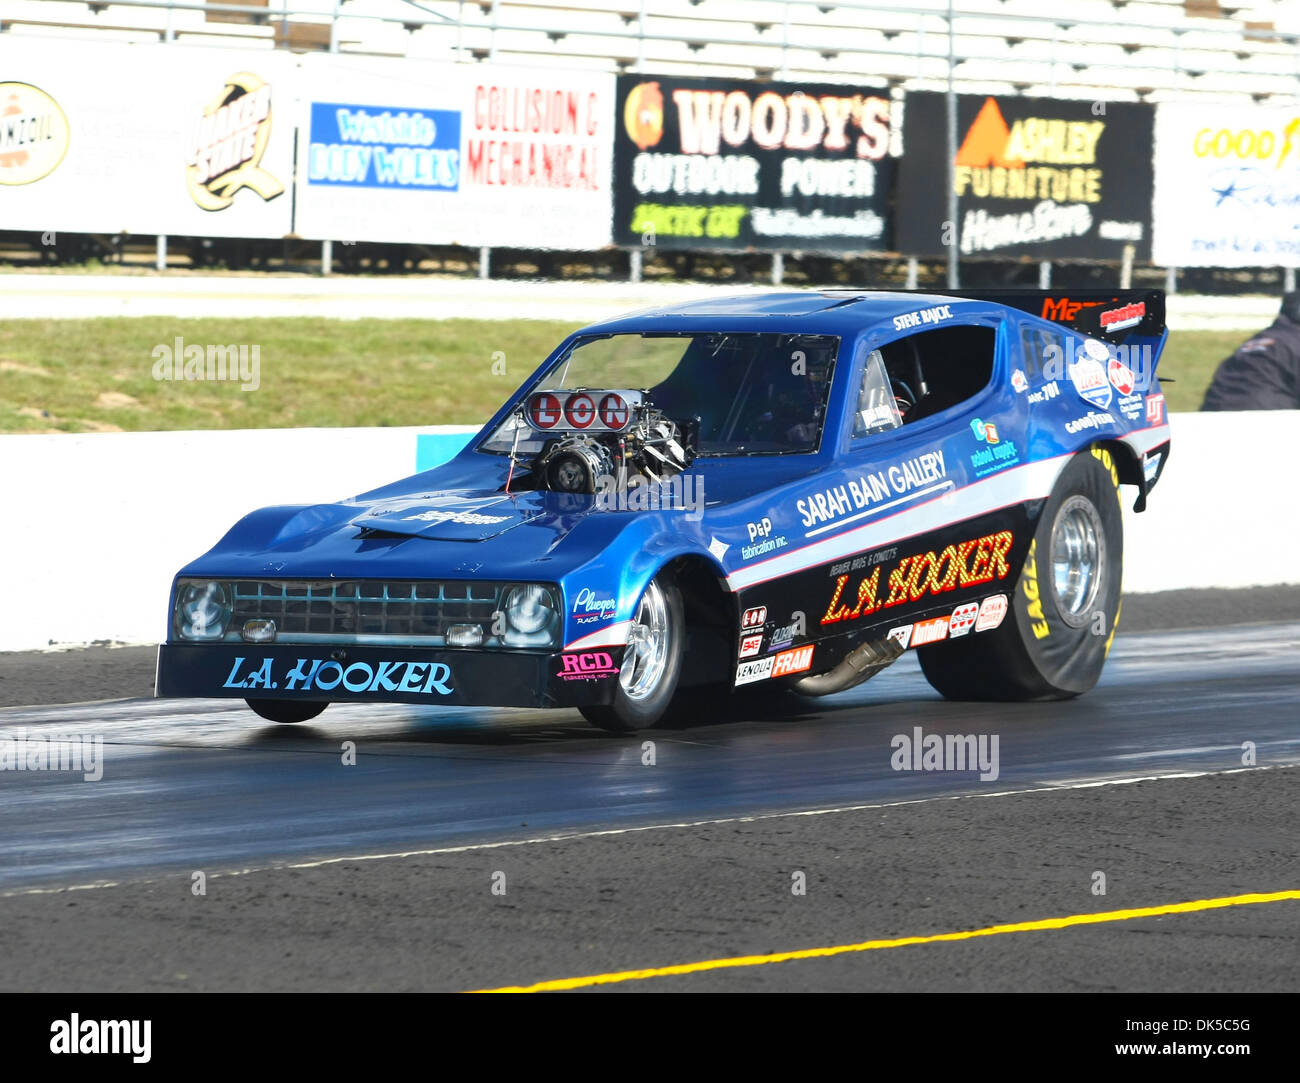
876, 945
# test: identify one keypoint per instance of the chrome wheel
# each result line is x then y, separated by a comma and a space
647, 646
1078, 556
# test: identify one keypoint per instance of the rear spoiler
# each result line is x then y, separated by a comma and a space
1110, 315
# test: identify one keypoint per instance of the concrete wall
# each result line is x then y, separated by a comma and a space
93, 527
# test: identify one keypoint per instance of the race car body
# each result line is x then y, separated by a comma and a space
790, 488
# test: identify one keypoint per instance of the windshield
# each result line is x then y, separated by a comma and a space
751, 394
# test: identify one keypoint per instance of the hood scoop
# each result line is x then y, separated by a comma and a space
463, 516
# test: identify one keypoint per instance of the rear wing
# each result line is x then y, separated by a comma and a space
1110, 315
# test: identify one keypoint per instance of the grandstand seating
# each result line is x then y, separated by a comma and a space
1151, 49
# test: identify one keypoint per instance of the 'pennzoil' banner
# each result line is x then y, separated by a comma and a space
103, 137
1227, 186
729, 164
1034, 176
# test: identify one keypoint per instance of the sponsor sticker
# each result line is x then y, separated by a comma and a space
754, 618
587, 666
1018, 381
998, 455
750, 646
1117, 319
992, 610
929, 631
1043, 394
759, 670
592, 607
1151, 466
327, 675
466, 518
962, 619
902, 635
1130, 406
1121, 376
964, 564
860, 496
1155, 409
1089, 379
1090, 420
795, 661
922, 316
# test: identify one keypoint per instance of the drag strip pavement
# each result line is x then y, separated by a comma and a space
207, 785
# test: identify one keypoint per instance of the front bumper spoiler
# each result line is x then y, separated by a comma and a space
370, 674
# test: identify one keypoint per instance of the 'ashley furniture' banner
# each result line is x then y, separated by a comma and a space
472, 154
1227, 186
1034, 176
730, 164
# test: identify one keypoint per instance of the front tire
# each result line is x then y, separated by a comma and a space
652, 663
1066, 604
286, 711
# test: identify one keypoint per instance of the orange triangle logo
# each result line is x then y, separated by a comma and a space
986, 140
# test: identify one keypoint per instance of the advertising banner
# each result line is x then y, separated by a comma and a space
732, 164
1035, 177
107, 137
1227, 186
417, 152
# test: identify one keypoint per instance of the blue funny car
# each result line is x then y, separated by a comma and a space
713, 498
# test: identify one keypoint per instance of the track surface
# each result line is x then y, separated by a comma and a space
202, 786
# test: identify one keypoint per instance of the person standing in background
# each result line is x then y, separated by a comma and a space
1264, 373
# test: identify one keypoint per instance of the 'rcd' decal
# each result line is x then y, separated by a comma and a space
963, 565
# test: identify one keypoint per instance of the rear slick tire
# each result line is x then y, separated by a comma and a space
1066, 605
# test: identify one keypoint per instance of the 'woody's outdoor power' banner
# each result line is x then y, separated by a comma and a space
732, 164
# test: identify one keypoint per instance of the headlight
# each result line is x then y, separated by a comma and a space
202, 610
532, 615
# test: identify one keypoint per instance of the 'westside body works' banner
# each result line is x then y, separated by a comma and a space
1227, 186
729, 164
1034, 176
473, 154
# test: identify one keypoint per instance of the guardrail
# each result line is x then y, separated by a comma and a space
99, 524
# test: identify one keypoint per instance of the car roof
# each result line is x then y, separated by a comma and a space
837, 312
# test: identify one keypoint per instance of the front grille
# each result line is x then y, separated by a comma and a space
342, 610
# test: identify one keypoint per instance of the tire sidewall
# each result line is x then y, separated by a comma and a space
1069, 657
633, 714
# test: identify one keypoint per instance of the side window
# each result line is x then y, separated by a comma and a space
877, 409
930, 371
1039, 345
